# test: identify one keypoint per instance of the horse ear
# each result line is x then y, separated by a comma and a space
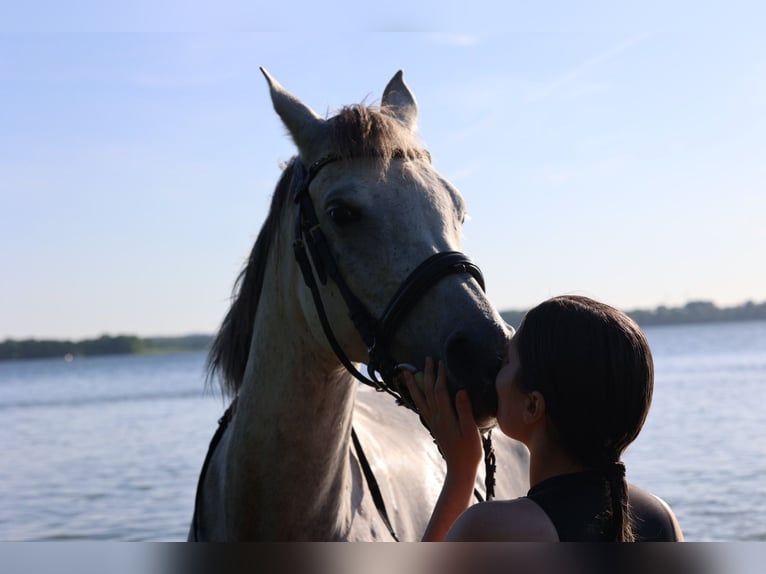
400, 102
305, 126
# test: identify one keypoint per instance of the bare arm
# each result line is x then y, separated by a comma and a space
459, 441
454, 499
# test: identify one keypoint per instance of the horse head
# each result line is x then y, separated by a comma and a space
381, 210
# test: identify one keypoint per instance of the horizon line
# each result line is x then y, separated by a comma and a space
212, 333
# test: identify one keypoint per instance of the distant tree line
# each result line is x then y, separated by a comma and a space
699, 312
104, 345
692, 312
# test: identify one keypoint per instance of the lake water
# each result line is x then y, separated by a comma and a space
110, 448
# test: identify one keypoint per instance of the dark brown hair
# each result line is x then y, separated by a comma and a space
593, 366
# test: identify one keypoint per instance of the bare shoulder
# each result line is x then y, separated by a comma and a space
672, 516
654, 518
517, 520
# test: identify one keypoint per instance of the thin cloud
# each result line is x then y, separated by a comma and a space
573, 74
460, 40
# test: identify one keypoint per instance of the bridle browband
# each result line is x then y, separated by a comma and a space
311, 246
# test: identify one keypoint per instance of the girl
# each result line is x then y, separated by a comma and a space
575, 388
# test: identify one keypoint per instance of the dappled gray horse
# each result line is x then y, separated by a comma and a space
357, 262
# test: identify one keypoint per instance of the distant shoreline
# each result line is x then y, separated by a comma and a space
11, 349
14, 349
690, 313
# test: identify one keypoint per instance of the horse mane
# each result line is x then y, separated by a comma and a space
356, 131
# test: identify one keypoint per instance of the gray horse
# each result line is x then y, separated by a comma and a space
282, 465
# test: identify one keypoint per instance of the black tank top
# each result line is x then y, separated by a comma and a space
574, 502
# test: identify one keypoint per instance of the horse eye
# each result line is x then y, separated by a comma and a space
342, 215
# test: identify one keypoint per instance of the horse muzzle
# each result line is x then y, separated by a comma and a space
472, 361
473, 358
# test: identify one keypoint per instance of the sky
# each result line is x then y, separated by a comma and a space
614, 150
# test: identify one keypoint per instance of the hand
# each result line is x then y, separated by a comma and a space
453, 427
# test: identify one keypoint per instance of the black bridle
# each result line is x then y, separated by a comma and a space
311, 246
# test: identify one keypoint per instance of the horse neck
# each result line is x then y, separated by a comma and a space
288, 461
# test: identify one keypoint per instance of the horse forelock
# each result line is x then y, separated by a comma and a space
368, 131
356, 131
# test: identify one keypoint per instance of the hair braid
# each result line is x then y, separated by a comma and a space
620, 524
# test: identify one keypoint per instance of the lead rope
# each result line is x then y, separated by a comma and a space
489, 465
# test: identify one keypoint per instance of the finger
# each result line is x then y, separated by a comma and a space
417, 395
441, 391
429, 380
465, 413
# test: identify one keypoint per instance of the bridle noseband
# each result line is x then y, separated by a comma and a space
311, 246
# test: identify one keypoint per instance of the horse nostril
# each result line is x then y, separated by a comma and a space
471, 359
459, 361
